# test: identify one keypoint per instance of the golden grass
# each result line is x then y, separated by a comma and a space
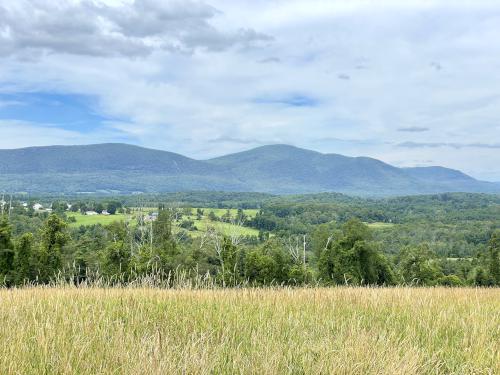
250, 331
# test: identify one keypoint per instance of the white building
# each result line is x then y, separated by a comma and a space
38, 207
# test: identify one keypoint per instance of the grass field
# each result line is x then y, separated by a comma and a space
224, 228
201, 225
95, 219
221, 211
250, 331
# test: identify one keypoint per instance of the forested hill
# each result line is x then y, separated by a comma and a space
278, 169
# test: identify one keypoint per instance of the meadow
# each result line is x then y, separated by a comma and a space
201, 224
342, 330
87, 220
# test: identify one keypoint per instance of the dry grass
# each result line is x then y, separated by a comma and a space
251, 331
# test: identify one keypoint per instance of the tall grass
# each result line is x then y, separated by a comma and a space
90, 330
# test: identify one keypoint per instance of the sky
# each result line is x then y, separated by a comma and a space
412, 83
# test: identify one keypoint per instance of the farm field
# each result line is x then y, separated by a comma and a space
225, 228
262, 331
201, 225
87, 220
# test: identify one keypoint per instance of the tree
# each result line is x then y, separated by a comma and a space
113, 206
116, 259
354, 259
6, 252
241, 217
417, 265
481, 277
271, 263
99, 207
24, 262
212, 216
83, 207
161, 254
227, 216
450, 280
53, 238
494, 257
59, 207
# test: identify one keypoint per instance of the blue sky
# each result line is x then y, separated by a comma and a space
65, 111
412, 83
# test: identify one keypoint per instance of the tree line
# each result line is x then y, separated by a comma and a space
345, 254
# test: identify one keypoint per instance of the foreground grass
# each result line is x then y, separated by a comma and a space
314, 331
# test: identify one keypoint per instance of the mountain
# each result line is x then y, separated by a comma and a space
279, 169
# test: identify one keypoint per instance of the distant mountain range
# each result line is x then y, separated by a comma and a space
278, 169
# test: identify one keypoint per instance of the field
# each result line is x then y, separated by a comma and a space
201, 224
95, 219
224, 228
261, 331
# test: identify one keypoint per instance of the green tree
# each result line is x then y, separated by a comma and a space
494, 257
99, 207
481, 277
59, 207
116, 259
450, 280
354, 259
270, 263
417, 265
24, 262
212, 216
241, 217
6, 252
53, 238
113, 206
162, 252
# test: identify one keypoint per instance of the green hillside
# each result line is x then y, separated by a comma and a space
276, 169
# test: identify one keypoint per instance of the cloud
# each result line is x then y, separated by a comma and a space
204, 78
344, 76
269, 60
448, 144
292, 100
9, 103
30, 27
241, 141
414, 129
436, 65
17, 134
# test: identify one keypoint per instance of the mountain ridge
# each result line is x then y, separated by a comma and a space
277, 169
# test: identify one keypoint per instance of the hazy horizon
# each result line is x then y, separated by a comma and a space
410, 84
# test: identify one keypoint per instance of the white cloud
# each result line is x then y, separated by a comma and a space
132, 57
124, 29
17, 134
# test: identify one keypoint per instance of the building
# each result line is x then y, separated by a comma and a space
38, 207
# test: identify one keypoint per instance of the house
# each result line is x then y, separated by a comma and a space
105, 213
38, 207
151, 217
91, 213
